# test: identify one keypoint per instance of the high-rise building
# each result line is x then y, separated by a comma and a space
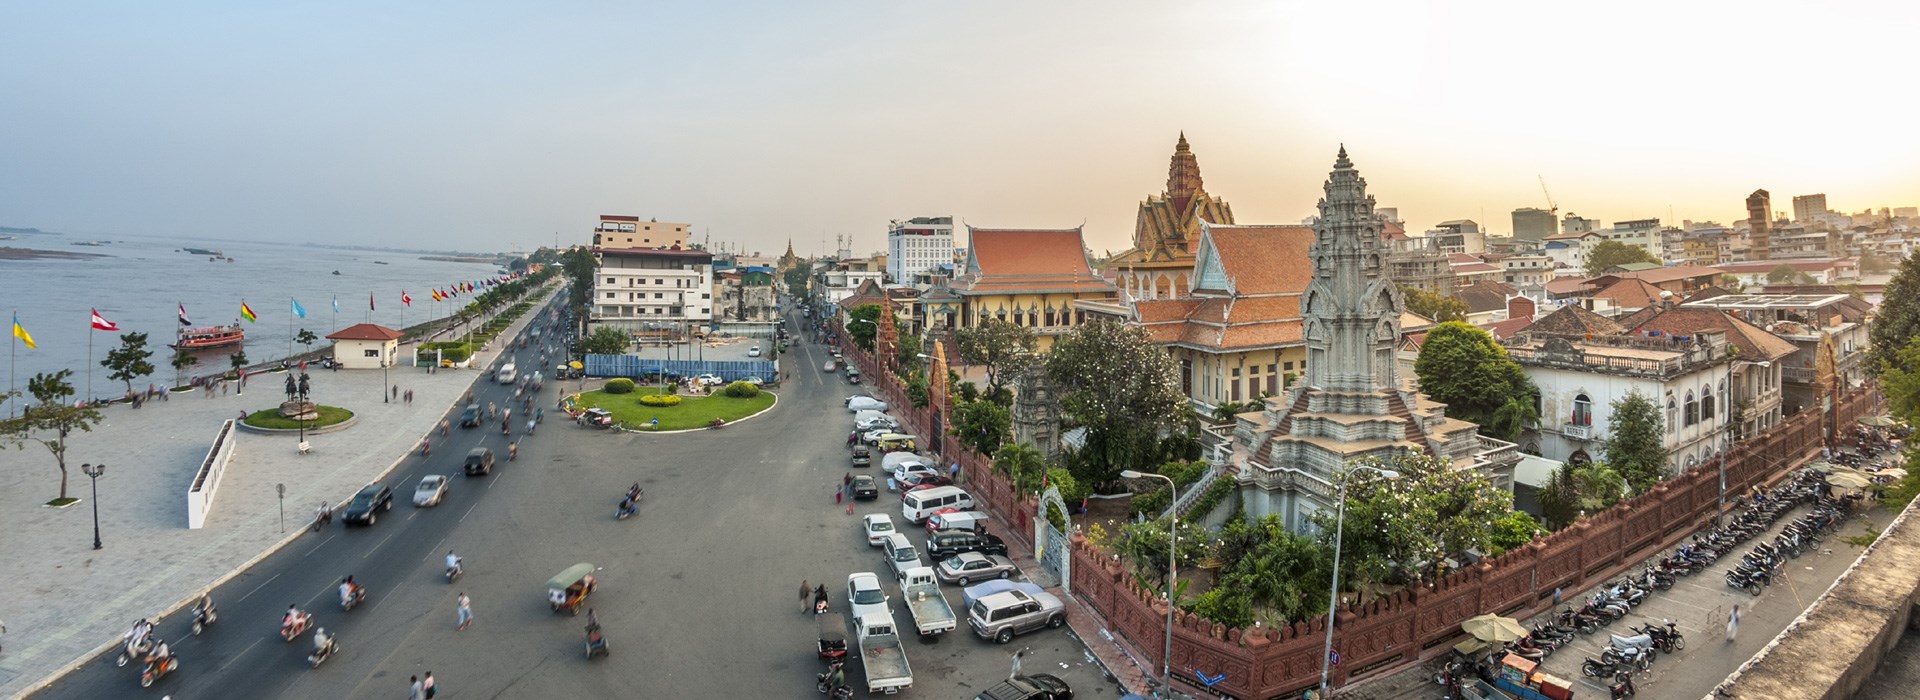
1459, 236
917, 246
1532, 224
1807, 206
1759, 225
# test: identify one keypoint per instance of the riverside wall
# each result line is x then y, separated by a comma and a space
1379, 636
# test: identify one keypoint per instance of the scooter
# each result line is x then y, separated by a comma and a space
625, 510
322, 518
154, 671
129, 652
202, 617
454, 572
291, 630
1622, 686
348, 601
320, 655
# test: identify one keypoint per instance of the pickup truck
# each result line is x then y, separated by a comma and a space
882, 655
929, 608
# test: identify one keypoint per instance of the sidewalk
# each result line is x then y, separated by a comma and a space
65, 599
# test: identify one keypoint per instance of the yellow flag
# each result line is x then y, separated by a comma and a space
21, 333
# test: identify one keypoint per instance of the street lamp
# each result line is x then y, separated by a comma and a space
1333, 596
385, 395
93, 472
1727, 445
1173, 542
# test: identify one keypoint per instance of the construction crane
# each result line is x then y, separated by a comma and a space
1551, 205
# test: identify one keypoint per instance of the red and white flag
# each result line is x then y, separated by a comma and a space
183, 315
404, 299
101, 324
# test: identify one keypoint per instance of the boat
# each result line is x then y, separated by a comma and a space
203, 251
209, 337
336, 272
379, 262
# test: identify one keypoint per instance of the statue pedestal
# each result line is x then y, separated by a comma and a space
299, 410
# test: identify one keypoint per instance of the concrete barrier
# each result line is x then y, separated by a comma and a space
206, 482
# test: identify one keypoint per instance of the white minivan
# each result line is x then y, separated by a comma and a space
505, 375
917, 506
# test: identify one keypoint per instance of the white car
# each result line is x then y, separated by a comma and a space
865, 596
432, 488
709, 380
903, 470
753, 351
877, 527
865, 403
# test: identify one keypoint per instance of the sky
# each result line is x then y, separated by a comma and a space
493, 125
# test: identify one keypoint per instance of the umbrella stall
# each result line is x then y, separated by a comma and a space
1521, 678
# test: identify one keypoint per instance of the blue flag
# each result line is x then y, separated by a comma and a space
336, 303
297, 310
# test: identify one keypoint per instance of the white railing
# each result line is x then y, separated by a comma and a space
1577, 432
206, 482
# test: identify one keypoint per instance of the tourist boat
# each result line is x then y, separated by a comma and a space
204, 251
209, 337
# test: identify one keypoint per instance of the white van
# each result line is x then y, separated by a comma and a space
901, 555
973, 520
918, 505
505, 375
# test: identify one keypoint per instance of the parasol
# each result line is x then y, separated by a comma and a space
1494, 628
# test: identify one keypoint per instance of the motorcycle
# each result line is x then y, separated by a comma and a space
291, 630
129, 651
625, 510
348, 601
1630, 656
322, 517
202, 617
154, 671
1622, 686
1597, 668
320, 655
454, 572
1667, 639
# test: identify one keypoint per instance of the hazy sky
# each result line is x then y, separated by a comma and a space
483, 125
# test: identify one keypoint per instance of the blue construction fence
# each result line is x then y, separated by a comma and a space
639, 368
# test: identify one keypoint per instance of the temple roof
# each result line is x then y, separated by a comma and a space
1167, 225
1255, 260
1007, 261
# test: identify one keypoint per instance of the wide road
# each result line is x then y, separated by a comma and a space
698, 593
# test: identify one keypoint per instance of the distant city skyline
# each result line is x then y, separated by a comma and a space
487, 128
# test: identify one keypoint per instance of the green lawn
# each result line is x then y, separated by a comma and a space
272, 420
693, 411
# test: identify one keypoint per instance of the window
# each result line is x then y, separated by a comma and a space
1673, 413
609, 280
1582, 410
658, 295
1693, 409
1706, 403
370, 352
1289, 366
609, 295
659, 281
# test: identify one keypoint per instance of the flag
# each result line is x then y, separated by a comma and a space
298, 310
436, 295
370, 301
336, 303
101, 324
247, 312
404, 299
21, 333
183, 316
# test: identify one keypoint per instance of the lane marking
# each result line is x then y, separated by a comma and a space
436, 548
323, 543
463, 516
376, 548
256, 589
414, 514
236, 657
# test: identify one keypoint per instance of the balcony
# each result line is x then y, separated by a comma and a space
1797, 375
1577, 432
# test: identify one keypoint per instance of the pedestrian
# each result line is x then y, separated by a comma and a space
805, 590
1556, 596
839, 494
224, 387
846, 480
396, 391
426, 684
1733, 623
855, 435
953, 472
465, 614
413, 688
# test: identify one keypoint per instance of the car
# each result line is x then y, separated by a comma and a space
864, 488
973, 593
479, 461
917, 480
753, 351
901, 471
967, 567
375, 497
470, 417
872, 423
864, 595
947, 543
877, 527
1002, 615
756, 381
872, 435
708, 380
432, 488
1039, 686
957, 519
865, 403
862, 456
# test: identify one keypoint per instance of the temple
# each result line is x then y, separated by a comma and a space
1166, 232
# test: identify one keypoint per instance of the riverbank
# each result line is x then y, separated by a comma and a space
11, 253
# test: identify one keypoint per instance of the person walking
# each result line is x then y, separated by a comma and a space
465, 613
413, 688
1733, 623
426, 685
805, 591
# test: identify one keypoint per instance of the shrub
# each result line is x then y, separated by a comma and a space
740, 390
621, 385
660, 400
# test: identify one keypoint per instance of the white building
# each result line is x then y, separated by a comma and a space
1569, 250
1754, 273
653, 288
1528, 273
1459, 236
1638, 232
917, 245
365, 346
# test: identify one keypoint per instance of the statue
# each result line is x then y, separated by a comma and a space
305, 386
292, 390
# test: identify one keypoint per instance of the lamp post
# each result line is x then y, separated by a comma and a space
1720, 510
1333, 595
1173, 548
93, 472
385, 395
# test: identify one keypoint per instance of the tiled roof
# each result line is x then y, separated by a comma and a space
1575, 320
1410, 321
868, 292
1264, 259
1484, 296
1503, 330
1669, 274
365, 331
1708, 292
1798, 265
1567, 285
1003, 261
1754, 342
1630, 294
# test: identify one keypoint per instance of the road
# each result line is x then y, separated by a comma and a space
698, 593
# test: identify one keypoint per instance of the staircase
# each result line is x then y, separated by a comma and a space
1286, 424
1397, 407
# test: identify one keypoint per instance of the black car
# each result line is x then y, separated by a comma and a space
864, 489
374, 497
470, 417
946, 543
1039, 686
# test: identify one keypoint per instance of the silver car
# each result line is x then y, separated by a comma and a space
432, 488
967, 567
1002, 615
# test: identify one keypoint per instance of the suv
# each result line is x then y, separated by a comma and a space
1039, 686
1000, 616
470, 417
862, 457
361, 508
479, 461
946, 543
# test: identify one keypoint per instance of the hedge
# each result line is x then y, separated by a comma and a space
741, 390
619, 385
660, 400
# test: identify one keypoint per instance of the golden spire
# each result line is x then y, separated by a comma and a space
1183, 175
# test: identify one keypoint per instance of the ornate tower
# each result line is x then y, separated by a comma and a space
1183, 175
1352, 310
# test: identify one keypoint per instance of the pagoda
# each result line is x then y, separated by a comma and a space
1166, 232
1351, 404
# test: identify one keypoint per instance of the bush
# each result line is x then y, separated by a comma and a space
451, 351
740, 390
621, 385
660, 400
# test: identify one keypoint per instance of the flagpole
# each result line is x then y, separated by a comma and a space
89, 397
290, 328
11, 347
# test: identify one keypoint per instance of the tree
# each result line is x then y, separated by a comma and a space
1439, 307
1511, 532
906, 353
1466, 369
1400, 529
579, 265
605, 340
1283, 574
981, 425
53, 421
1022, 462
306, 338
1119, 386
517, 265
1004, 349
1560, 498
1897, 318
1785, 274
238, 359
1598, 486
863, 325
797, 277
1612, 253
1634, 445
181, 361
129, 361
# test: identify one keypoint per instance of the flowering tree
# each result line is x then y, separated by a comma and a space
1120, 387
1003, 348
1399, 530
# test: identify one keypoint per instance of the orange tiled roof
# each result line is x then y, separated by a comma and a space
1575, 320
1264, 259
1753, 341
1630, 294
1006, 261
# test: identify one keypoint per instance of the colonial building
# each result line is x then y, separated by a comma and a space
746, 295
1028, 277
1350, 404
1166, 232
1828, 333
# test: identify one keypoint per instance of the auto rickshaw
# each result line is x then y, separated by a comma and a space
833, 636
597, 418
568, 590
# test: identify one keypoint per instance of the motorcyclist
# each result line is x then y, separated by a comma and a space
627, 505
204, 606
513, 450
321, 641
294, 616
324, 513
530, 424
158, 656
633, 493
453, 562
137, 637
347, 590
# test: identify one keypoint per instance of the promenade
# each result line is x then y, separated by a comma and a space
64, 599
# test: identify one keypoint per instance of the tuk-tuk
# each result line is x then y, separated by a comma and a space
833, 636
895, 442
597, 418
568, 590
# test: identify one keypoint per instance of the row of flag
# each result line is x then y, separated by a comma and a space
100, 323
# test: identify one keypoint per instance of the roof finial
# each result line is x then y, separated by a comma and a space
1182, 146
1341, 161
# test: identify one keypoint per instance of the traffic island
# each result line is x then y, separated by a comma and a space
689, 413
316, 418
